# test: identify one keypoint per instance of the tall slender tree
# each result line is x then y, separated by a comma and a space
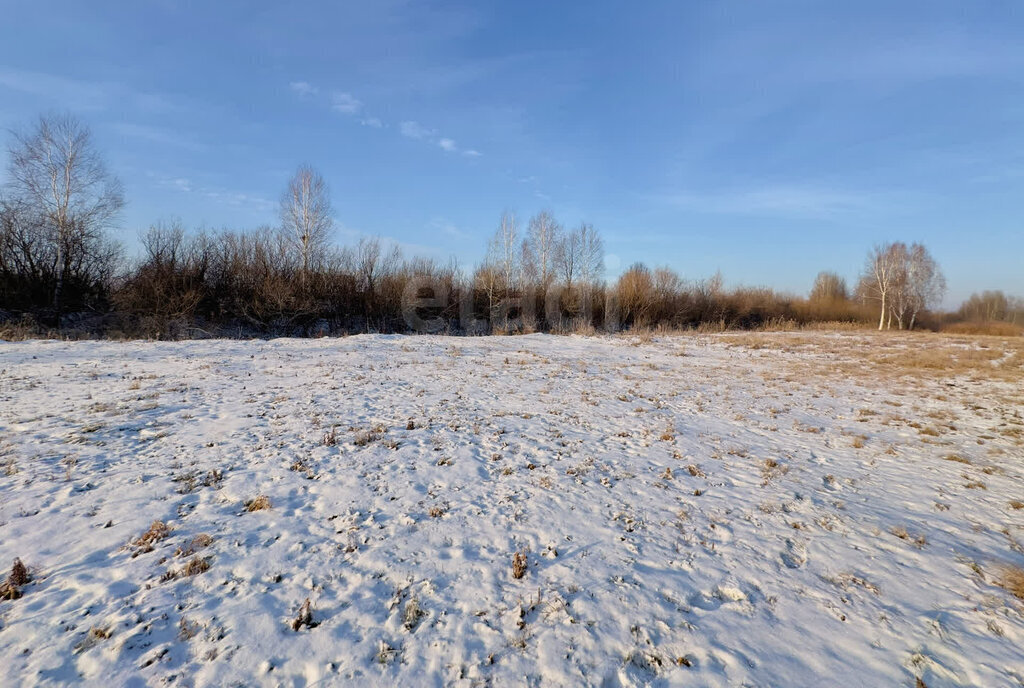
57, 171
306, 216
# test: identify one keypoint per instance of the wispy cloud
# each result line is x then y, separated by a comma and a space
345, 103
221, 195
303, 88
414, 130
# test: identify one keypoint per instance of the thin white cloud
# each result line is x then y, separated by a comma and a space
303, 88
414, 130
220, 195
345, 103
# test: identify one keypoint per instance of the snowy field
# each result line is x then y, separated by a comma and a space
707, 510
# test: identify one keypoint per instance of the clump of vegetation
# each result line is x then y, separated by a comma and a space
519, 565
194, 567
365, 437
143, 544
918, 540
412, 615
1011, 579
11, 588
260, 503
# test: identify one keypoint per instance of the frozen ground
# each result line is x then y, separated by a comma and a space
752, 510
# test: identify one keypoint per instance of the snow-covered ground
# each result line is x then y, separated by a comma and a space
696, 510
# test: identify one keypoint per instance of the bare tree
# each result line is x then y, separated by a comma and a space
541, 248
306, 215
569, 258
925, 283
828, 286
502, 253
56, 170
591, 254
988, 306
882, 275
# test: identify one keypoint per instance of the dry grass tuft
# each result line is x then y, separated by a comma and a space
412, 615
260, 503
365, 437
1016, 504
158, 531
331, 437
519, 565
1011, 579
11, 588
436, 512
918, 541
194, 567
957, 458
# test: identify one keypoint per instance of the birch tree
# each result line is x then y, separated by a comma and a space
503, 253
925, 283
306, 216
882, 274
56, 170
543, 239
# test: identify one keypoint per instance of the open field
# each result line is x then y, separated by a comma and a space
765, 509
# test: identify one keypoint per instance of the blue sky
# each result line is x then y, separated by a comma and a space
769, 140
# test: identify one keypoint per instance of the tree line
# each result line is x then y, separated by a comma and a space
60, 269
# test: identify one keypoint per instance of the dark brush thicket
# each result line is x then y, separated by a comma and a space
60, 270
